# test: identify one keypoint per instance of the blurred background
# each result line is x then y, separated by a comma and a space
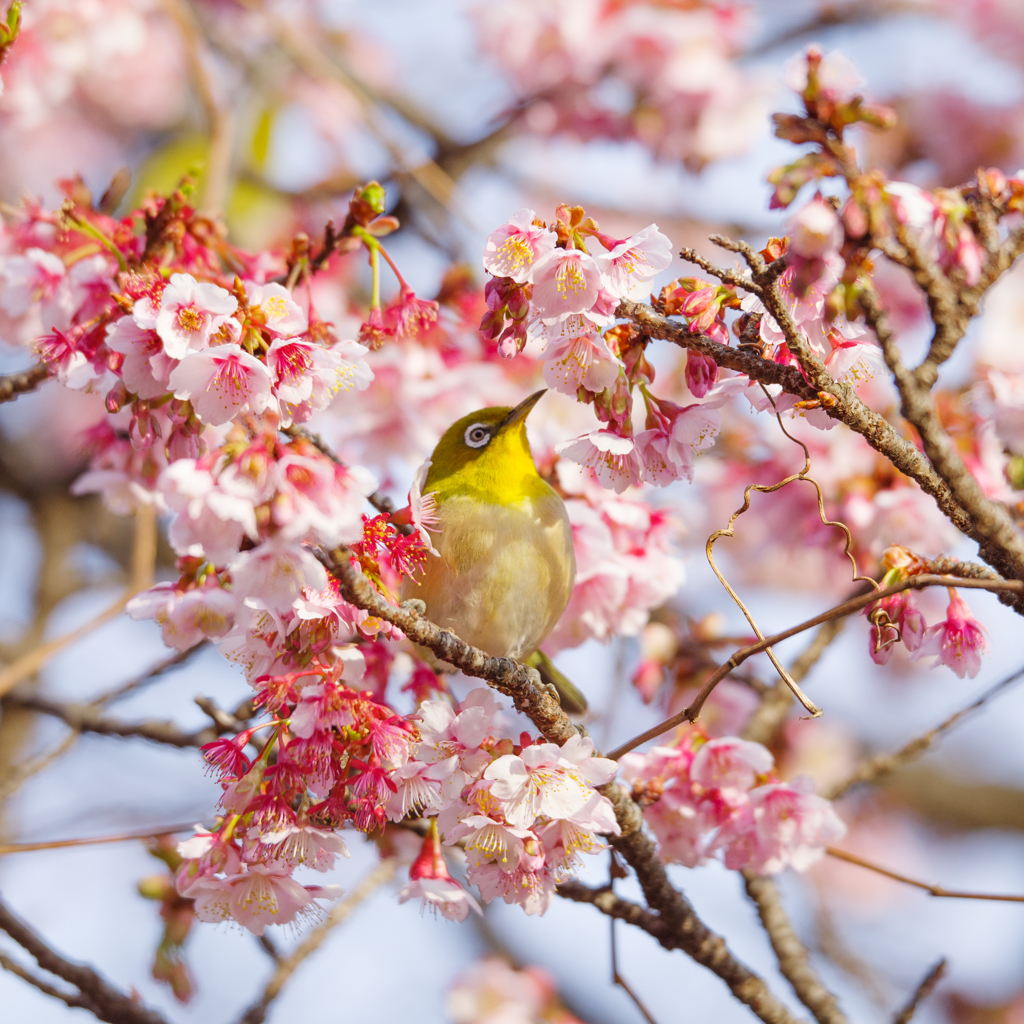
467, 112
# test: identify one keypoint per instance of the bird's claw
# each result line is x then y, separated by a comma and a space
414, 605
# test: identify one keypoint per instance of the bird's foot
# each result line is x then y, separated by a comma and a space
414, 605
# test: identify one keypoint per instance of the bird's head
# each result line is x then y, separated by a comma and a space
485, 455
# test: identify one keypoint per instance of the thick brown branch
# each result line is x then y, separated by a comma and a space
14, 384
522, 685
1001, 543
105, 1001
691, 937
794, 959
847, 407
67, 998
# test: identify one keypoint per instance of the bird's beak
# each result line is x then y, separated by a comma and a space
522, 410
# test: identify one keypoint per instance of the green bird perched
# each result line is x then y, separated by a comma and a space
506, 565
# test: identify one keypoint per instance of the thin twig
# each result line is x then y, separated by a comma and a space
149, 676
690, 713
14, 384
881, 765
21, 773
106, 1002
122, 837
618, 979
380, 875
31, 662
219, 122
922, 992
89, 718
935, 890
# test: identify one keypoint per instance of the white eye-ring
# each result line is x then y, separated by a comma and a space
477, 435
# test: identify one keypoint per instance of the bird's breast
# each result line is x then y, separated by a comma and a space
505, 571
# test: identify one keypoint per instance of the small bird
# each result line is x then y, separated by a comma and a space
507, 564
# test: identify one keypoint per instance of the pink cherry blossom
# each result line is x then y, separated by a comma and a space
701, 373
222, 382
491, 840
430, 881
815, 230
958, 642
682, 432
298, 845
210, 522
146, 367
576, 355
615, 459
730, 764
30, 277
537, 782
838, 80
185, 617
514, 248
628, 268
791, 828
190, 313
278, 312
256, 897
565, 281
272, 575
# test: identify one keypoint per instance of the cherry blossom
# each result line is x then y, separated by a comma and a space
628, 267
190, 313
222, 382
616, 460
256, 897
186, 617
430, 881
565, 281
576, 355
959, 641
513, 249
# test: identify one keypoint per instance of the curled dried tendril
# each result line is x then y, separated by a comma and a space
729, 531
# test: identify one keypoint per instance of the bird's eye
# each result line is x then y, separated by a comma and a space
477, 435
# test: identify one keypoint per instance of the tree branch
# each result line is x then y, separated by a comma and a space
879, 766
522, 685
48, 990
88, 718
923, 990
934, 890
105, 1001
14, 384
794, 959
286, 967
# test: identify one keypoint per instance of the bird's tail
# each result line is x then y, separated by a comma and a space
569, 696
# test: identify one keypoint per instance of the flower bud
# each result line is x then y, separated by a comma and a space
815, 231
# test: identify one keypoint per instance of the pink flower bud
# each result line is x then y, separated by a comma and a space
701, 373
815, 230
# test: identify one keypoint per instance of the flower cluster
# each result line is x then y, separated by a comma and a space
659, 73
704, 797
492, 991
522, 812
958, 641
549, 295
